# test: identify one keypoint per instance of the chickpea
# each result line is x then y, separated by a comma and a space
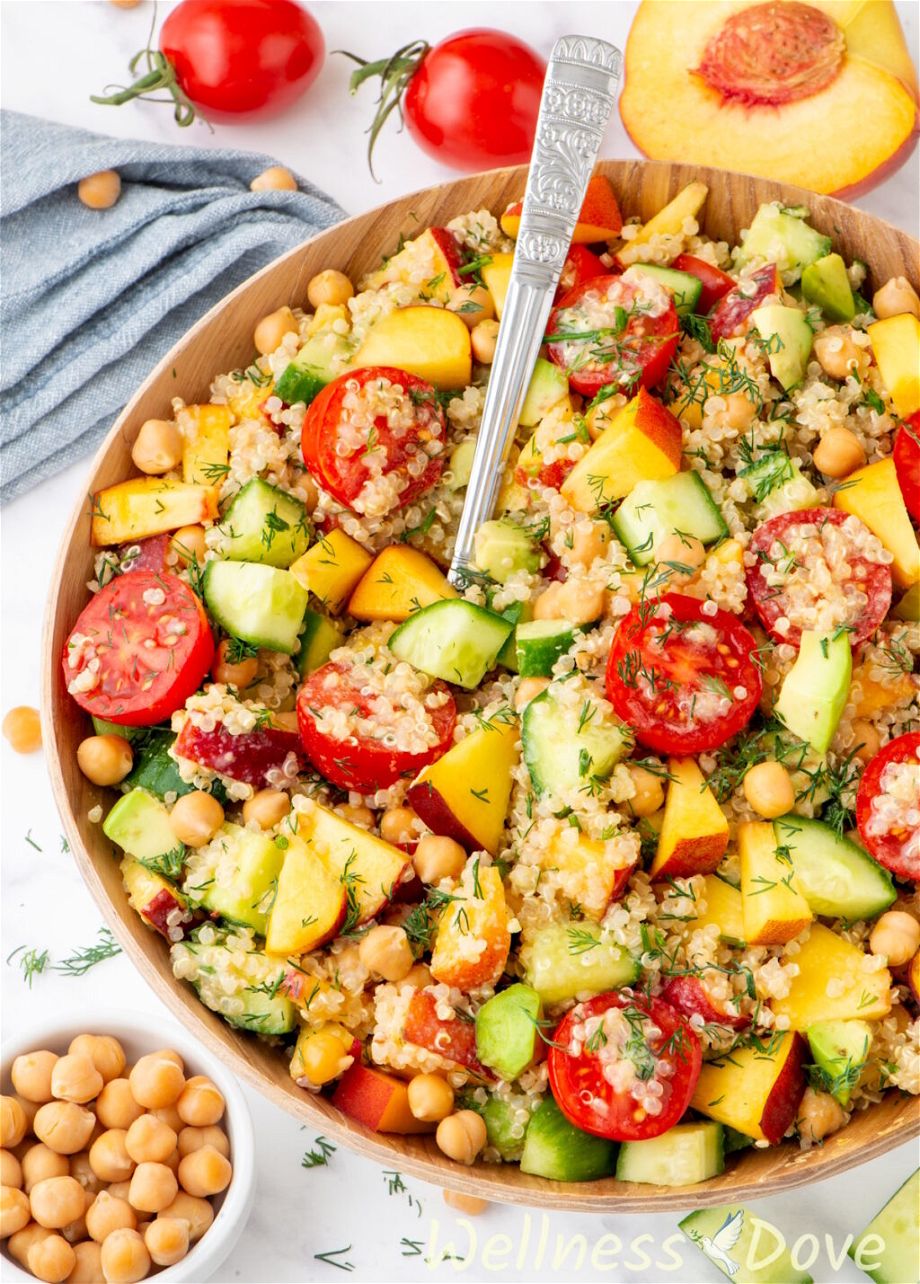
108, 1213
839, 453
153, 1186
895, 297
189, 545
819, 1115
22, 728
397, 825
125, 4
201, 1102
483, 339
896, 935
461, 1136
386, 951
105, 760
10, 1170
115, 1105
234, 673
866, 740
100, 191
272, 329
649, 795
30, 1110
472, 1205
157, 447
88, 1267
74, 1077
681, 550
57, 1201
431, 1097
836, 352
195, 819
323, 1056
39, 1163
194, 1138
82, 1169
267, 807
437, 857
76, 1230
472, 304
150, 1140
170, 1116
274, 179
769, 790
20, 1242
156, 1080
205, 1172
119, 1189
330, 287
14, 1211
167, 1240
528, 689
105, 1052
124, 1257
109, 1158
589, 542
31, 1075
419, 975
13, 1123
579, 603
359, 815
737, 412
199, 1213
51, 1259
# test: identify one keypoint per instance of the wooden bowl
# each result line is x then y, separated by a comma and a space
222, 340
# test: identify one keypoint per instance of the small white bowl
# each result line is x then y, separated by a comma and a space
233, 1206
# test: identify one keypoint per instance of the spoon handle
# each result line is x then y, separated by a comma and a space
578, 97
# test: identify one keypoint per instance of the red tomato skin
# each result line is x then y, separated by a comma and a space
886, 850
689, 996
907, 463
768, 603
623, 1126
120, 621
247, 757
241, 58
343, 478
368, 765
580, 265
716, 283
648, 725
654, 358
734, 309
473, 102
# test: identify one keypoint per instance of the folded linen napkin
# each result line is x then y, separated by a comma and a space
92, 299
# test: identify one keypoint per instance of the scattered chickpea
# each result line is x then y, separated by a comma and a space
14, 1211
166, 1240
205, 1172
234, 673
271, 330
397, 825
575, 601
331, 288
10, 1170
40, 1162
124, 1257
31, 1075
192, 1138
431, 1098
839, 453
472, 304
437, 857
472, 1205
267, 808
57, 1201
649, 795
528, 689
75, 1078
836, 352
386, 951
819, 1115
156, 1080
64, 1126
866, 740
100, 191
108, 1213
115, 1105
189, 545
195, 819
359, 815
681, 550
589, 542
88, 1264
201, 1102
158, 447
897, 936
483, 339
461, 1136
274, 179
51, 1259
769, 790
21, 1241
895, 297
13, 1123
153, 1187
22, 729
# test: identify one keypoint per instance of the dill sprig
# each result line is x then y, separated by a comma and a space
80, 962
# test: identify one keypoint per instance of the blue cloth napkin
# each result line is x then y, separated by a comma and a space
92, 299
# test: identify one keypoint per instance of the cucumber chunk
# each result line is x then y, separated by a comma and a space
570, 745
725, 1235
139, 824
460, 464
154, 769
559, 966
235, 875
840, 1050
539, 644
231, 966
557, 1150
517, 613
548, 386
453, 640
826, 284
259, 604
502, 1128
317, 363
685, 1154
318, 640
897, 1226
685, 288
780, 235
778, 484
655, 509
103, 728
265, 524
503, 548
837, 878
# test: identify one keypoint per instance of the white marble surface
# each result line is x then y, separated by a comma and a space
55, 53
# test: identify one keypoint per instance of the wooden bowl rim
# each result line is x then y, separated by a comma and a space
503, 1183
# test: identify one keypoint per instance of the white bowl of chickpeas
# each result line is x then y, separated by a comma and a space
126, 1155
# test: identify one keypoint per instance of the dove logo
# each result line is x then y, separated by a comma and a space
718, 1246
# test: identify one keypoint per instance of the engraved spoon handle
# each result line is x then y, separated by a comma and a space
578, 97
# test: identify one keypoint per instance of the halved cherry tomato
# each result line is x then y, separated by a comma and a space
734, 309
778, 548
580, 266
362, 761
683, 679
381, 452
888, 806
629, 1076
249, 756
715, 281
907, 463
689, 995
603, 332
150, 636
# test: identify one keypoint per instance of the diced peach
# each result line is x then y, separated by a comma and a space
332, 568
896, 344
310, 903
669, 221
640, 442
836, 981
450, 1037
890, 692
479, 915
913, 976
874, 496
206, 436
755, 1090
399, 581
694, 832
377, 1100
432, 343
465, 793
430, 262
150, 894
774, 908
586, 870
689, 995
723, 907
130, 511
368, 867
599, 218
496, 274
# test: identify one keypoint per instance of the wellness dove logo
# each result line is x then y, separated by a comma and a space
719, 1245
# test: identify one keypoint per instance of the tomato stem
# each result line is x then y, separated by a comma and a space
395, 74
160, 74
